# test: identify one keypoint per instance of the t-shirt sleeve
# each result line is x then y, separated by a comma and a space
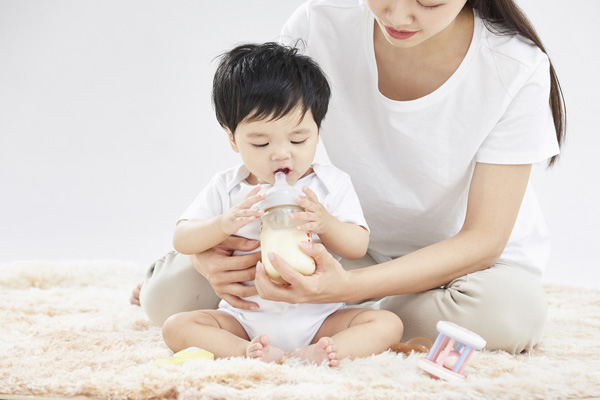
296, 29
525, 133
343, 202
208, 203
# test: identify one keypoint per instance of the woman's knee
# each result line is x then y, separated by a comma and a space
506, 306
172, 285
503, 304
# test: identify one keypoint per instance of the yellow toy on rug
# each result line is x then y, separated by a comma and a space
191, 353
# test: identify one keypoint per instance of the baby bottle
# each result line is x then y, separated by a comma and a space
278, 232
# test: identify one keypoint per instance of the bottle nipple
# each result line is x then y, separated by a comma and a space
280, 179
281, 193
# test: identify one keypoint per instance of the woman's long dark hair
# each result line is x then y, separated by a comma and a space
505, 17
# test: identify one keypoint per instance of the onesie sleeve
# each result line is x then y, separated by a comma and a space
525, 133
208, 203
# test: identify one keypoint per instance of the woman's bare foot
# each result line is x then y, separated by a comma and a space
135, 294
324, 350
260, 349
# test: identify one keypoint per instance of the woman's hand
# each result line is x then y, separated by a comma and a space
329, 284
225, 272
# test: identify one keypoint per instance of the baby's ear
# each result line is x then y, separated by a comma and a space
232, 142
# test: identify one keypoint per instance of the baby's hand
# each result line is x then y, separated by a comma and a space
242, 214
318, 220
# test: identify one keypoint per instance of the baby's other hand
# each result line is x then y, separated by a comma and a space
318, 220
242, 214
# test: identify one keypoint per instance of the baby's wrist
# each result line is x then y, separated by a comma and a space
224, 225
331, 222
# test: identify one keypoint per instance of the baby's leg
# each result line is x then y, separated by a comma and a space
212, 330
358, 332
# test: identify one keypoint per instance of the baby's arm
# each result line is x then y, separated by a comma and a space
197, 235
345, 239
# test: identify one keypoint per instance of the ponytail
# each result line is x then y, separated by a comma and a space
505, 17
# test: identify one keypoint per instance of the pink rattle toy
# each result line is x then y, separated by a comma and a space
459, 346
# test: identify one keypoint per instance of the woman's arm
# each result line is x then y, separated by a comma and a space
495, 197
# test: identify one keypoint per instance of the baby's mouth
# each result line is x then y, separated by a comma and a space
284, 170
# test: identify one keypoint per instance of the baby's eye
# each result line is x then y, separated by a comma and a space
260, 145
297, 142
428, 7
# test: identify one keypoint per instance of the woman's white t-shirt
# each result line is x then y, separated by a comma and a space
411, 162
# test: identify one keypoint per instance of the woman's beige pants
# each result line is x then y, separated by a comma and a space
504, 304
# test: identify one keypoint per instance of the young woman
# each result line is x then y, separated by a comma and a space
439, 108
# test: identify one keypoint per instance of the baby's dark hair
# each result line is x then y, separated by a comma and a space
257, 81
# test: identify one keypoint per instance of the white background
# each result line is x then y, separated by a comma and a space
107, 132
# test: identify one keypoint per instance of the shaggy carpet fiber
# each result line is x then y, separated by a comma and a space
67, 329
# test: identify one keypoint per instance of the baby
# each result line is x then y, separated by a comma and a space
271, 100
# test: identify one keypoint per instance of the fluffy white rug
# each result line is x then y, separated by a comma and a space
68, 330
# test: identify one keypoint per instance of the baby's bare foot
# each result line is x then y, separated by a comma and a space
260, 349
324, 350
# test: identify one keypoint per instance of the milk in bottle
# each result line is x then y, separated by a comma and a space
279, 233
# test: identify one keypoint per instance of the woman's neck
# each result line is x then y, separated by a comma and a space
411, 73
